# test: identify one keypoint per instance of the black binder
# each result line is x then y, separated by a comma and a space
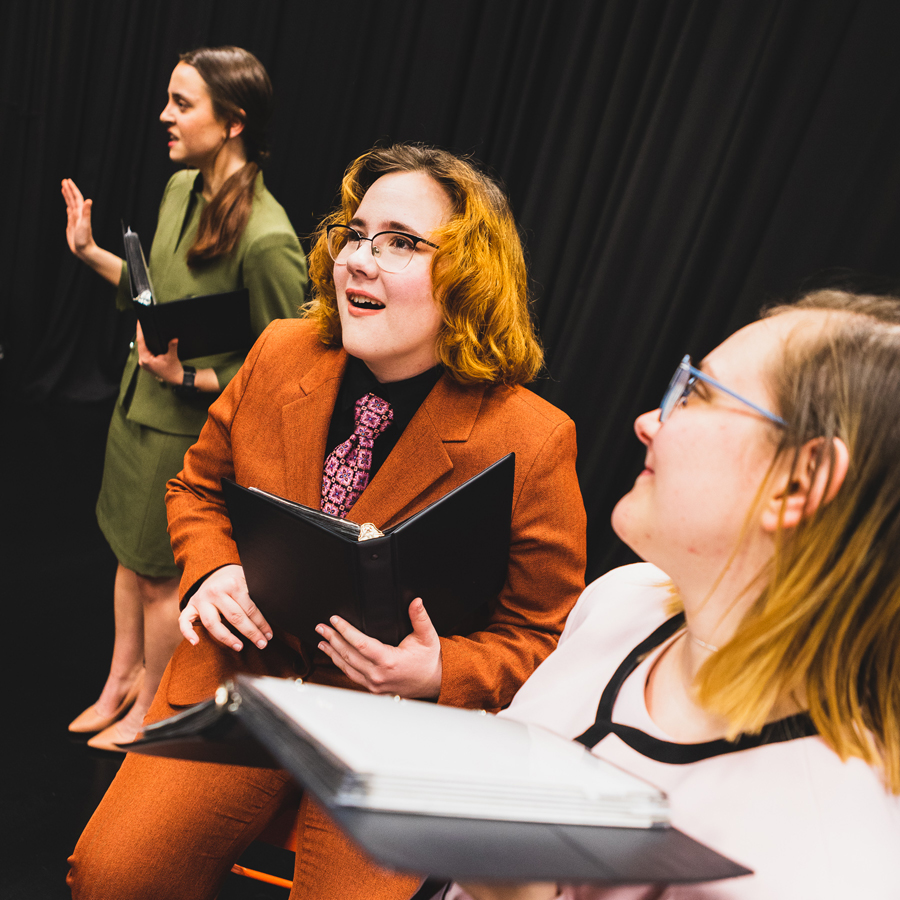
303, 566
204, 326
460, 846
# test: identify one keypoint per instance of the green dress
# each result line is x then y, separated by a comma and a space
152, 427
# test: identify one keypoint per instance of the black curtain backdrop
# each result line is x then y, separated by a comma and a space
673, 165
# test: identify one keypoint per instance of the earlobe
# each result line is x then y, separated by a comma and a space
814, 482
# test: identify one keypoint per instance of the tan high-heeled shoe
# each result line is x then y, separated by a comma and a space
110, 738
90, 720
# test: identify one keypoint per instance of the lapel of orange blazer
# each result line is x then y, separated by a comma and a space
419, 459
305, 428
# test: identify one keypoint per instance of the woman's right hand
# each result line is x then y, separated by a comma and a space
223, 598
79, 235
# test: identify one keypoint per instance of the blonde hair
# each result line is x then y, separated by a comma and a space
826, 628
478, 272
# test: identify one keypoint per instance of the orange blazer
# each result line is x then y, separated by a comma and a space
268, 429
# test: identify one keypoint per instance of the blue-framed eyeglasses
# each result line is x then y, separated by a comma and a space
683, 381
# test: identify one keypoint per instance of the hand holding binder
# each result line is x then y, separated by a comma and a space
411, 670
300, 567
303, 566
414, 667
223, 596
166, 367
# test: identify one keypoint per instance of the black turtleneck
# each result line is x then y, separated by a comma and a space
405, 398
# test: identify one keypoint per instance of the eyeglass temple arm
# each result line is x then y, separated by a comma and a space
763, 412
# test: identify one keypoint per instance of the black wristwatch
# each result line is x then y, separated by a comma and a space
187, 388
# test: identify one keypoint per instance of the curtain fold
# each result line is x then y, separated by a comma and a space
673, 164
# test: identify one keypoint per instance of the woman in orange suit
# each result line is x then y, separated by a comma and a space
419, 330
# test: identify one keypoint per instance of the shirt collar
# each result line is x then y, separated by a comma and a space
404, 396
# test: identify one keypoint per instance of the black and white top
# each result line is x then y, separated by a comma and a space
810, 826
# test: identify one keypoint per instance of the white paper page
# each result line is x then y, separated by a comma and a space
419, 756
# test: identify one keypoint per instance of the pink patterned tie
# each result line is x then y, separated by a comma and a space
347, 467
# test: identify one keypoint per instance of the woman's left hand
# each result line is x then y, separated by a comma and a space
411, 670
165, 367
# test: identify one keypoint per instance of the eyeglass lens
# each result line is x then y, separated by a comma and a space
392, 251
675, 391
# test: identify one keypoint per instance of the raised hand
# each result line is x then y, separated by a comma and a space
80, 235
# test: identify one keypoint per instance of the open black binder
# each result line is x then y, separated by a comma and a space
303, 566
375, 764
204, 326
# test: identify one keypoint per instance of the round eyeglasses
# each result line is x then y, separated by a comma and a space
685, 377
392, 249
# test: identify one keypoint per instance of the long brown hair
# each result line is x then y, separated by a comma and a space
827, 625
478, 272
240, 91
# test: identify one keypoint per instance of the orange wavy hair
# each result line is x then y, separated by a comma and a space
478, 274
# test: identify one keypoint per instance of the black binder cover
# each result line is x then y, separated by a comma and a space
453, 554
204, 326
206, 732
446, 847
487, 850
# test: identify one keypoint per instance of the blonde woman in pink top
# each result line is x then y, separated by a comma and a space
751, 667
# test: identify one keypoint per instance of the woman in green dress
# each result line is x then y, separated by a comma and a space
219, 229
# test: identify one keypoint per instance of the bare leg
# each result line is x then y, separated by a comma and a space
128, 650
159, 602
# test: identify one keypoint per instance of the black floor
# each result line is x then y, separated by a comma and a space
56, 577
